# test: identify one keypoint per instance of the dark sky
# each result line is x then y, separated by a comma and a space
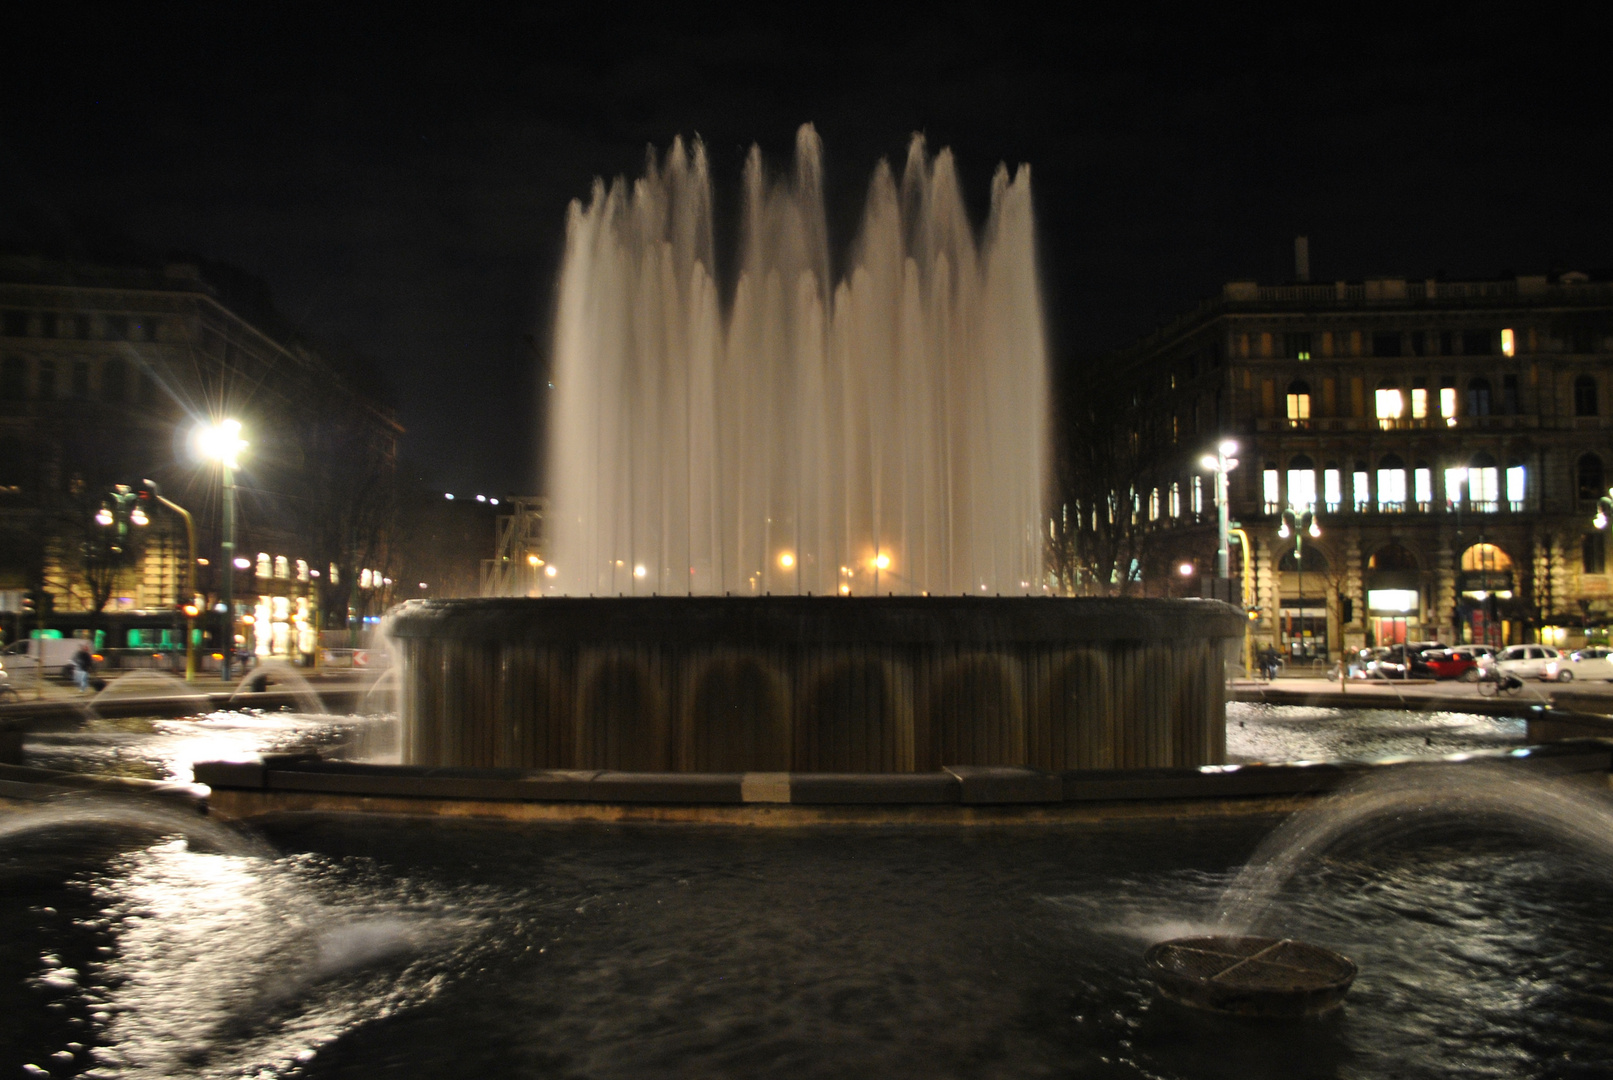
401, 184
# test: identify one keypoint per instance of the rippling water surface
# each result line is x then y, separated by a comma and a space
140, 944
1260, 732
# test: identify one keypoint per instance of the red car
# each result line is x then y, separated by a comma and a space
1452, 664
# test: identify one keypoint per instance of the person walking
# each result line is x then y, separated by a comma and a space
83, 660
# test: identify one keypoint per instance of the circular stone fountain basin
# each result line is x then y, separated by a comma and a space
1250, 976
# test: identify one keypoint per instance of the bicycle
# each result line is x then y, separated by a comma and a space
1492, 682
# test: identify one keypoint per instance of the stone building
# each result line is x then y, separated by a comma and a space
1450, 437
105, 373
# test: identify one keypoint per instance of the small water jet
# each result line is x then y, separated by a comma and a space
271, 672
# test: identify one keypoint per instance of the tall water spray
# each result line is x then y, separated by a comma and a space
885, 433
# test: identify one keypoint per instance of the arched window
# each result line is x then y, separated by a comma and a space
1485, 557
1391, 485
1302, 483
1584, 396
1390, 402
1299, 403
1517, 485
1478, 397
1392, 557
282, 567
1589, 473
1483, 484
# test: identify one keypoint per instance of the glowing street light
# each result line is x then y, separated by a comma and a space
222, 442
1221, 463
1603, 505
786, 560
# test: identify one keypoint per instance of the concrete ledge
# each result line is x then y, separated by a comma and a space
285, 783
1006, 784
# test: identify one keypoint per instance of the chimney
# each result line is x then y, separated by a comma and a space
1302, 258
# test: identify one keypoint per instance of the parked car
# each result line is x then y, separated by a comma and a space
24, 658
1595, 662
1535, 662
1452, 664
1398, 662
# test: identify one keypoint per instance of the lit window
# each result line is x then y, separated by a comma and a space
1153, 505
1272, 489
1198, 494
282, 567
1391, 405
302, 570
265, 567
1423, 486
1454, 479
1509, 343
1362, 489
1391, 485
1302, 485
1299, 403
1176, 499
1447, 405
1484, 487
335, 576
1515, 487
1332, 489
364, 579
1419, 402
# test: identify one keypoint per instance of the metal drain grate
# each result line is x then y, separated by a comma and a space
1251, 976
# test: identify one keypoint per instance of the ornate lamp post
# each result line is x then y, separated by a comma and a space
1220, 463
222, 442
1297, 523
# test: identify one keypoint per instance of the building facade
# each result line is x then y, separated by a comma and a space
105, 374
1449, 439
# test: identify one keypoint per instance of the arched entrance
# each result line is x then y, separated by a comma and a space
1394, 588
1485, 589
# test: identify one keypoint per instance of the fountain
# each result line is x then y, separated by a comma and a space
799, 527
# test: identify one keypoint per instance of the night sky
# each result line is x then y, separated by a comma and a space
401, 185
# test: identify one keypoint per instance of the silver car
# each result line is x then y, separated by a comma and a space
1535, 662
1595, 662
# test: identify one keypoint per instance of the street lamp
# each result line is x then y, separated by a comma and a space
1297, 523
1604, 505
222, 442
1220, 463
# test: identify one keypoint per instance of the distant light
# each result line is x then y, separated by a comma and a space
386, 581
449, 495
1228, 447
845, 590
1509, 343
549, 570
103, 516
192, 610
883, 561
492, 502
1186, 569
220, 442
248, 619
639, 571
220, 607
532, 560
203, 562
423, 585
786, 560
481, 498
1209, 462
313, 573
242, 564
138, 517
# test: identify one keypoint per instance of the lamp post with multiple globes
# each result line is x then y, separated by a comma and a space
222, 442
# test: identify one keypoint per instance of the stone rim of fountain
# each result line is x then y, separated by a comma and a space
1250, 976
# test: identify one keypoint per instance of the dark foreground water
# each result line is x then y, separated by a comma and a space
355, 948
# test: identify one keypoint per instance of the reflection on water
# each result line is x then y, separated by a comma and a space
378, 948
154, 748
1272, 733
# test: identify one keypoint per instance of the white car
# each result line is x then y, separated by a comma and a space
1535, 662
1592, 663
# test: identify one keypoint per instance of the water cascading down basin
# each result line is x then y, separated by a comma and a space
1250, 976
802, 684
